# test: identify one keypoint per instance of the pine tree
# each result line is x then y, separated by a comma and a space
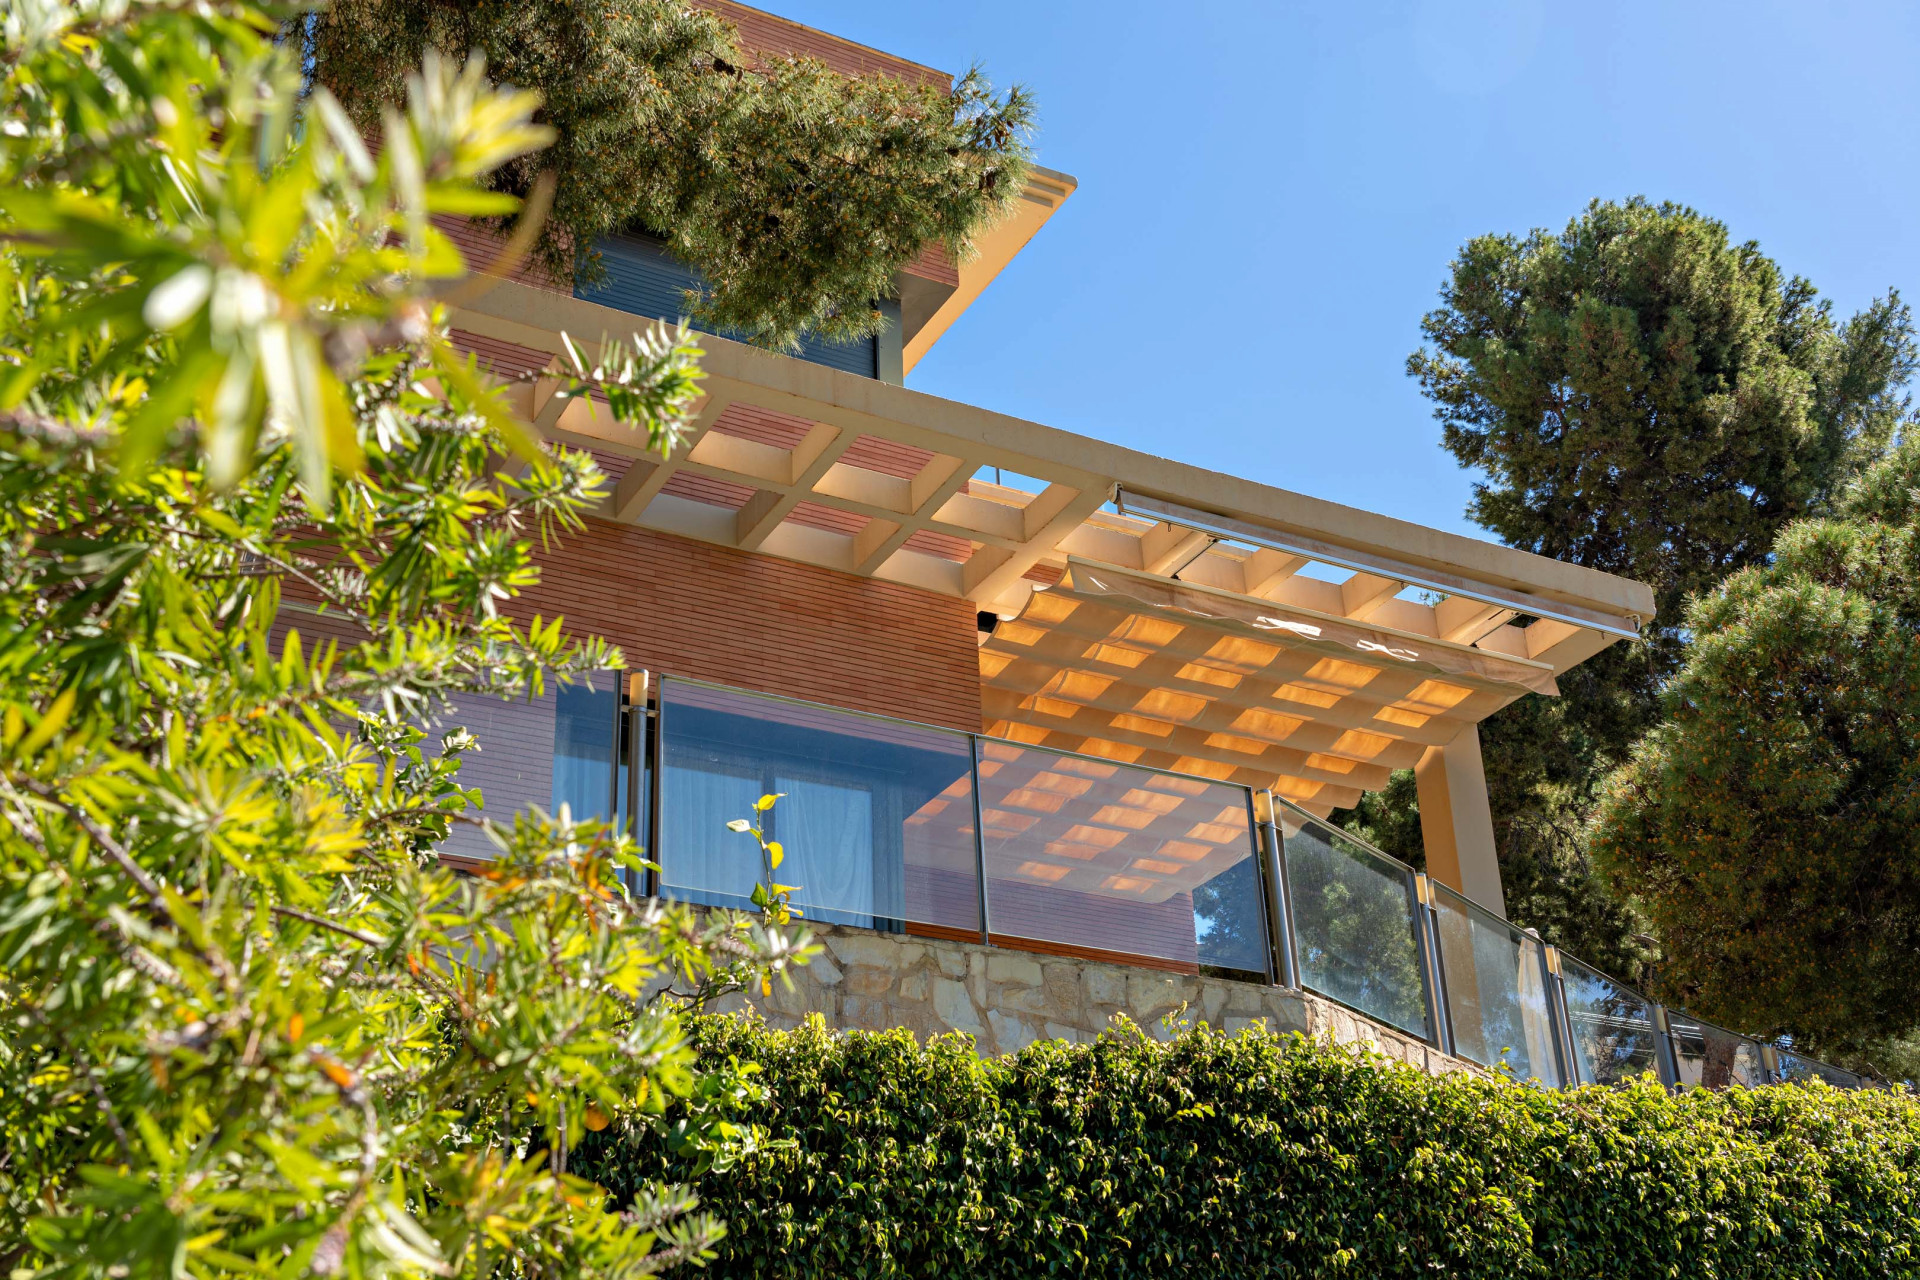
1770, 826
1646, 397
796, 192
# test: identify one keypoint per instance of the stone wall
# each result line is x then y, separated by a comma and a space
1008, 999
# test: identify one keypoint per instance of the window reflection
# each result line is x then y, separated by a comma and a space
1612, 1027
1496, 990
586, 723
1354, 922
1794, 1068
513, 766
875, 819
1093, 857
1707, 1057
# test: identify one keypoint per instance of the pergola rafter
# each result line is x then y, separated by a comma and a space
795, 460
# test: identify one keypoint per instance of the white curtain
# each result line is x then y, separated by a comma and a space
826, 831
699, 854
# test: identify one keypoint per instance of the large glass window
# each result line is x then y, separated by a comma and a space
643, 278
586, 748
1092, 857
559, 747
1706, 1056
1496, 983
1354, 924
875, 817
1613, 1037
513, 767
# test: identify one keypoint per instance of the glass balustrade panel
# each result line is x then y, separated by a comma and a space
1089, 857
875, 817
1799, 1070
1613, 1039
1707, 1057
1354, 924
1496, 985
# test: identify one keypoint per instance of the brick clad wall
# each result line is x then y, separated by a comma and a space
508, 359
481, 247
934, 264
687, 608
763, 426
770, 36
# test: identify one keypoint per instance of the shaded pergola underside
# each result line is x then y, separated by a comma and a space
811, 464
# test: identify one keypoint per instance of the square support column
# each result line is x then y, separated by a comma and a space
1456, 823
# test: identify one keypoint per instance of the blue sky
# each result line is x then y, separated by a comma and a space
1270, 194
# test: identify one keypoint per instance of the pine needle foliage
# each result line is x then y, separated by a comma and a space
1270, 1155
795, 191
1646, 396
1649, 398
249, 1024
1770, 827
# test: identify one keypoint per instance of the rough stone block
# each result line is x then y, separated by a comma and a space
866, 1015
1148, 991
953, 961
1213, 998
1065, 991
952, 1006
1285, 1012
1010, 1034
877, 949
1021, 999
1012, 967
868, 980
1106, 984
822, 970
915, 986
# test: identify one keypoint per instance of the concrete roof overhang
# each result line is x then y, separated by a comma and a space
1169, 563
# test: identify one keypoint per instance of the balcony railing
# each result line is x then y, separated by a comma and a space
903, 827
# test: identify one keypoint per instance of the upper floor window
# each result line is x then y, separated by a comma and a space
643, 278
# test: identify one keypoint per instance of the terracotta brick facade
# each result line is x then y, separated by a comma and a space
687, 608
770, 36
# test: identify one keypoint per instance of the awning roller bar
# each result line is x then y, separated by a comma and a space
1368, 562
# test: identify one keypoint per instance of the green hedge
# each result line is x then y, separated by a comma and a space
1265, 1155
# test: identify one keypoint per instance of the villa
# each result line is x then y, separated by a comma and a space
1057, 725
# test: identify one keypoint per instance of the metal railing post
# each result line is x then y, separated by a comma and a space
1432, 965
655, 755
621, 700
1279, 894
1665, 1061
980, 842
1562, 1015
1556, 1000
632, 743
1770, 1064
